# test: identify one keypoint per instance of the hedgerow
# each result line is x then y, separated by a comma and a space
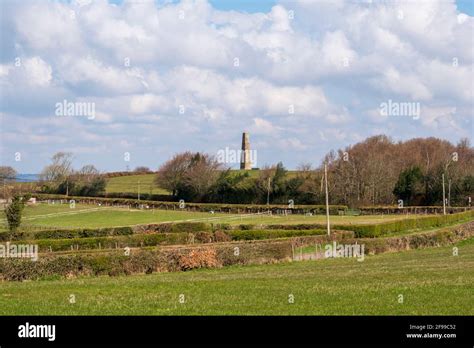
271, 234
380, 229
166, 259
204, 207
377, 230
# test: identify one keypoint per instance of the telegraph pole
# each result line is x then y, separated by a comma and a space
327, 197
449, 192
444, 197
268, 192
138, 189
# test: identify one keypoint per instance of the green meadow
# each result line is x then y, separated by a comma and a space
419, 282
92, 216
132, 183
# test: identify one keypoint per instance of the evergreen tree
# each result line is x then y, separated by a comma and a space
14, 212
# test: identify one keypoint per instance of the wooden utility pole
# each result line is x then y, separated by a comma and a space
444, 197
327, 197
449, 192
268, 192
138, 189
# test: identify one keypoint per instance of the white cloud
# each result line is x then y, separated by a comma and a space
324, 71
261, 126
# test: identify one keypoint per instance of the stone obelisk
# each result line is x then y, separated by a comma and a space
245, 161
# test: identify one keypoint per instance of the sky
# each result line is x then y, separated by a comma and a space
122, 84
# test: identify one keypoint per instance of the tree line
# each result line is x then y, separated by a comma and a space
376, 171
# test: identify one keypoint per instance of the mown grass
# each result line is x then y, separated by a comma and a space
92, 216
44, 208
318, 219
432, 282
124, 217
117, 217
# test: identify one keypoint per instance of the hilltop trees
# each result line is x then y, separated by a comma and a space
380, 171
172, 173
142, 170
408, 186
190, 176
60, 177
60, 168
376, 171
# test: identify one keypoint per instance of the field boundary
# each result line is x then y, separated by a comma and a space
179, 258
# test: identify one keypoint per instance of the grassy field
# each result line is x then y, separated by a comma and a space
432, 282
130, 183
61, 215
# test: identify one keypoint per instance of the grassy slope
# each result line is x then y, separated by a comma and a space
129, 183
432, 281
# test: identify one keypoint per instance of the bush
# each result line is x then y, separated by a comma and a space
174, 227
83, 233
220, 236
271, 234
198, 258
137, 240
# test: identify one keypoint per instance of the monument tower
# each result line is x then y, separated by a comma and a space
245, 161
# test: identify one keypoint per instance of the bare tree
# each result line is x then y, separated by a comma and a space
7, 173
171, 174
87, 173
202, 174
59, 169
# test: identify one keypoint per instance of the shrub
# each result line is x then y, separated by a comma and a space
138, 240
204, 237
198, 258
246, 227
83, 233
271, 234
220, 236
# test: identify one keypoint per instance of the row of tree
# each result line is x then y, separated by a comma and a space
60, 177
376, 171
